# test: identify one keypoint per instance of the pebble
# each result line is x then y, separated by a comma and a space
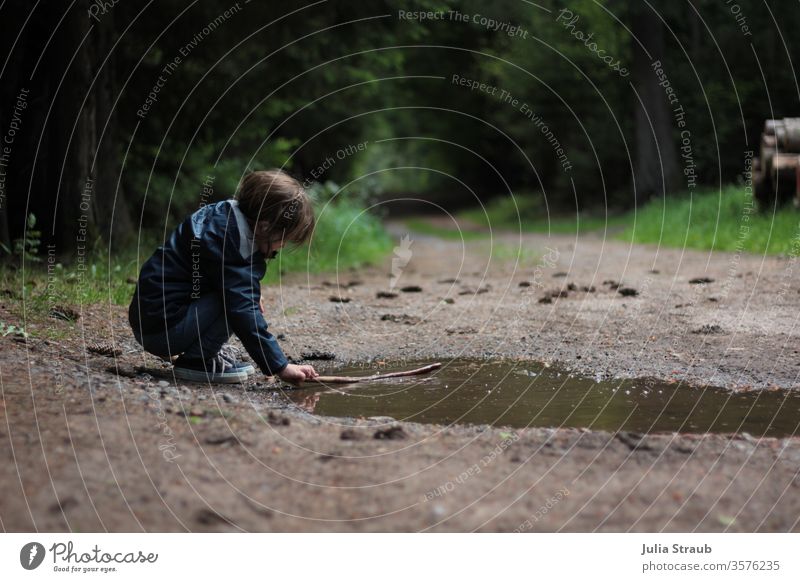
438, 511
392, 433
349, 434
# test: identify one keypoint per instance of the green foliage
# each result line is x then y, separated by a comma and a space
282, 85
508, 211
723, 220
7, 329
181, 184
27, 248
582, 101
345, 236
528, 213
507, 252
103, 280
422, 226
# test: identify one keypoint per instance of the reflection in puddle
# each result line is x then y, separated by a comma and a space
520, 394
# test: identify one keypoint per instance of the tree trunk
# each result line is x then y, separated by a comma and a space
86, 136
12, 155
67, 145
656, 162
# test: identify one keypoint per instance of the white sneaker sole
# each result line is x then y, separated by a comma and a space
201, 376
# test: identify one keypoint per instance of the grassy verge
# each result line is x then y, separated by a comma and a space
723, 220
516, 253
526, 213
344, 237
495, 250
421, 226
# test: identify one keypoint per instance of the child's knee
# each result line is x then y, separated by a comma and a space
155, 344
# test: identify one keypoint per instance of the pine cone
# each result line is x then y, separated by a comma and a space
104, 350
64, 313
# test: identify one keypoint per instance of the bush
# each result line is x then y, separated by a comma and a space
723, 220
345, 236
527, 213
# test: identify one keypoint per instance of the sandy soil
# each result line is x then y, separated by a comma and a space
89, 442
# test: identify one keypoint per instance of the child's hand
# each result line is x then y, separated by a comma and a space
296, 374
261, 305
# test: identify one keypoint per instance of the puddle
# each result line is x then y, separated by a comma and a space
520, 394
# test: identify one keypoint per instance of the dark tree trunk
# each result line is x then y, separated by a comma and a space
696, 30
85, 137
65, 165
14, 148
656, 164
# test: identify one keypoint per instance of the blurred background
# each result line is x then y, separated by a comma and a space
644, 120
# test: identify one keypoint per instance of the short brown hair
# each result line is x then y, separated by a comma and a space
273, 196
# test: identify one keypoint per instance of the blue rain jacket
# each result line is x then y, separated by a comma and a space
211, 251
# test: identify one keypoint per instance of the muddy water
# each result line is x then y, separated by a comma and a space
522, 394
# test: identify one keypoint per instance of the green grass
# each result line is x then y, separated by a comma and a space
496, 250
345, 237
512, 252
723, 220
48, 283
527, 213
421, 226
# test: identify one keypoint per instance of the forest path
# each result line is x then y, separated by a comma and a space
88, 449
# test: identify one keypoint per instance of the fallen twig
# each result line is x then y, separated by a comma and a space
350, 379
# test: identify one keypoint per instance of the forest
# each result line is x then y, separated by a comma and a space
123, 116
525, 265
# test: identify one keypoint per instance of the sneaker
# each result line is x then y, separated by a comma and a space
233, 356
215, 370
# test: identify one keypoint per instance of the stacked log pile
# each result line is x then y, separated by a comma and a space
776, 172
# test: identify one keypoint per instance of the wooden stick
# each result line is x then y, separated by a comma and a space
350, 379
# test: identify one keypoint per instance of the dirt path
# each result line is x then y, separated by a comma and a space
87, 449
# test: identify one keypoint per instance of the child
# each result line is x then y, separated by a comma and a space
205, 282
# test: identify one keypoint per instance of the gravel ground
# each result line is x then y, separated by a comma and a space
94, 443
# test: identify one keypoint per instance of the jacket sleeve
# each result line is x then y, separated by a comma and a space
238, 278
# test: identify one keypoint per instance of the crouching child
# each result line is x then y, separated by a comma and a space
204, 283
